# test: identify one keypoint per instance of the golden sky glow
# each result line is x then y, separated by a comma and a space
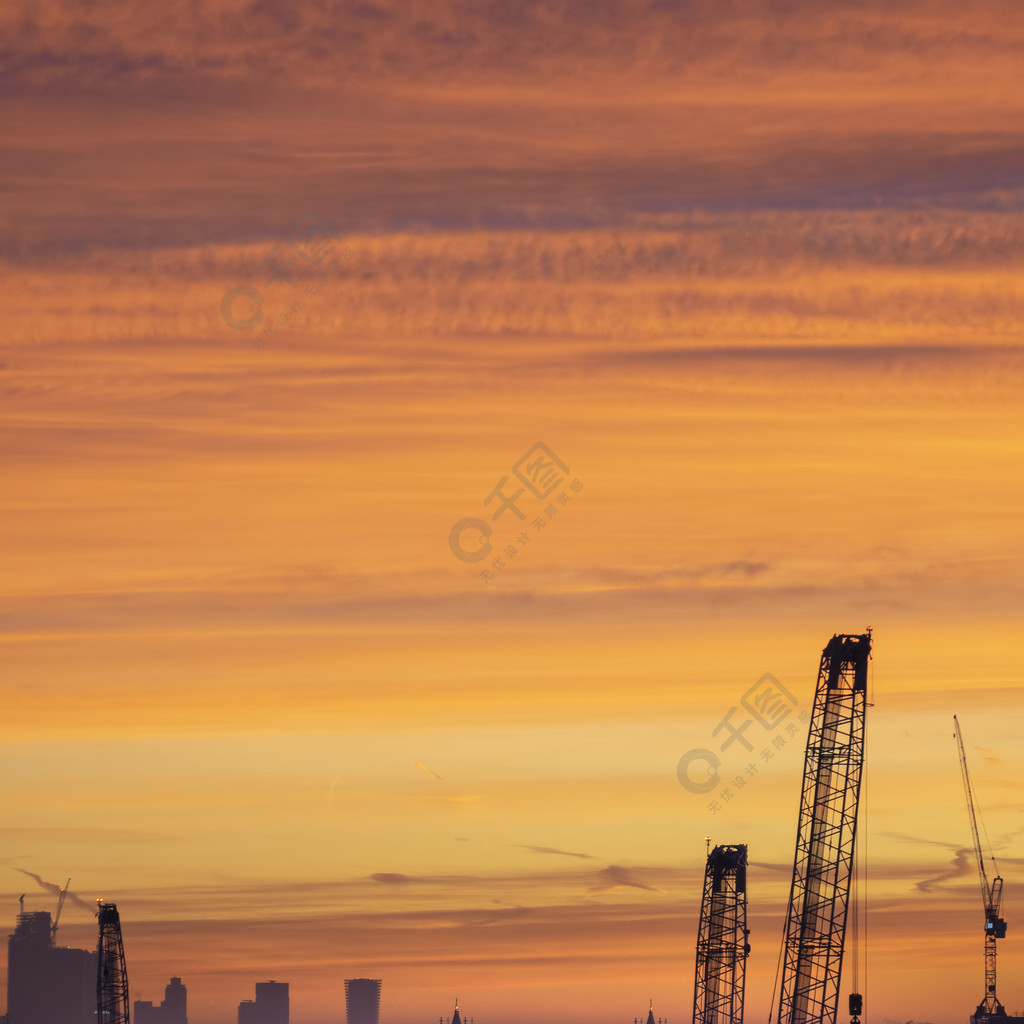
754, 275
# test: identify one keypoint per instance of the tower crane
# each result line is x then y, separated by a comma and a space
991, 897
815, 933
56, 917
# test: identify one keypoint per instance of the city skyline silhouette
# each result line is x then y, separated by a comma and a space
437, 440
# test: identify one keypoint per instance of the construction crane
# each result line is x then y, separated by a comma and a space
111, 972
722, 939
60, 907
812, 955
991, 897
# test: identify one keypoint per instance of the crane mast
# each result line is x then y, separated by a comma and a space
112, 974
816, 920
991, 897
722, 945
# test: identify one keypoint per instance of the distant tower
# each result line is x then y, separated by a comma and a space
269, 1007
722, 945
362, 1000
173, 1010
112, 974
272, 1002
175, 1004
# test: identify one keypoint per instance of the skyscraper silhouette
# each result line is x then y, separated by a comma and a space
272, 1002
175, 1004
48, 984
362, 1000
269, 1007
173, 1009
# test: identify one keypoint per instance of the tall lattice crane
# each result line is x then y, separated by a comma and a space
991, 897
111, 974
812, 958
722, 945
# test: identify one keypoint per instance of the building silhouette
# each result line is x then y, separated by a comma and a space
173, 1009
362, 1001
269, 1007
48, 984
650, 1017
455, 1018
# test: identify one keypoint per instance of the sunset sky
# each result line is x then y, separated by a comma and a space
751, 272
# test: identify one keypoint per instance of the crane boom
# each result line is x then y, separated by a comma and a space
722, 940
991, 897
112, 974
60, 907
816, 921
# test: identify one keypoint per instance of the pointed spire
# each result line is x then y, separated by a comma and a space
650, 1013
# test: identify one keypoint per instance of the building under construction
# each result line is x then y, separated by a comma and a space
47, 983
